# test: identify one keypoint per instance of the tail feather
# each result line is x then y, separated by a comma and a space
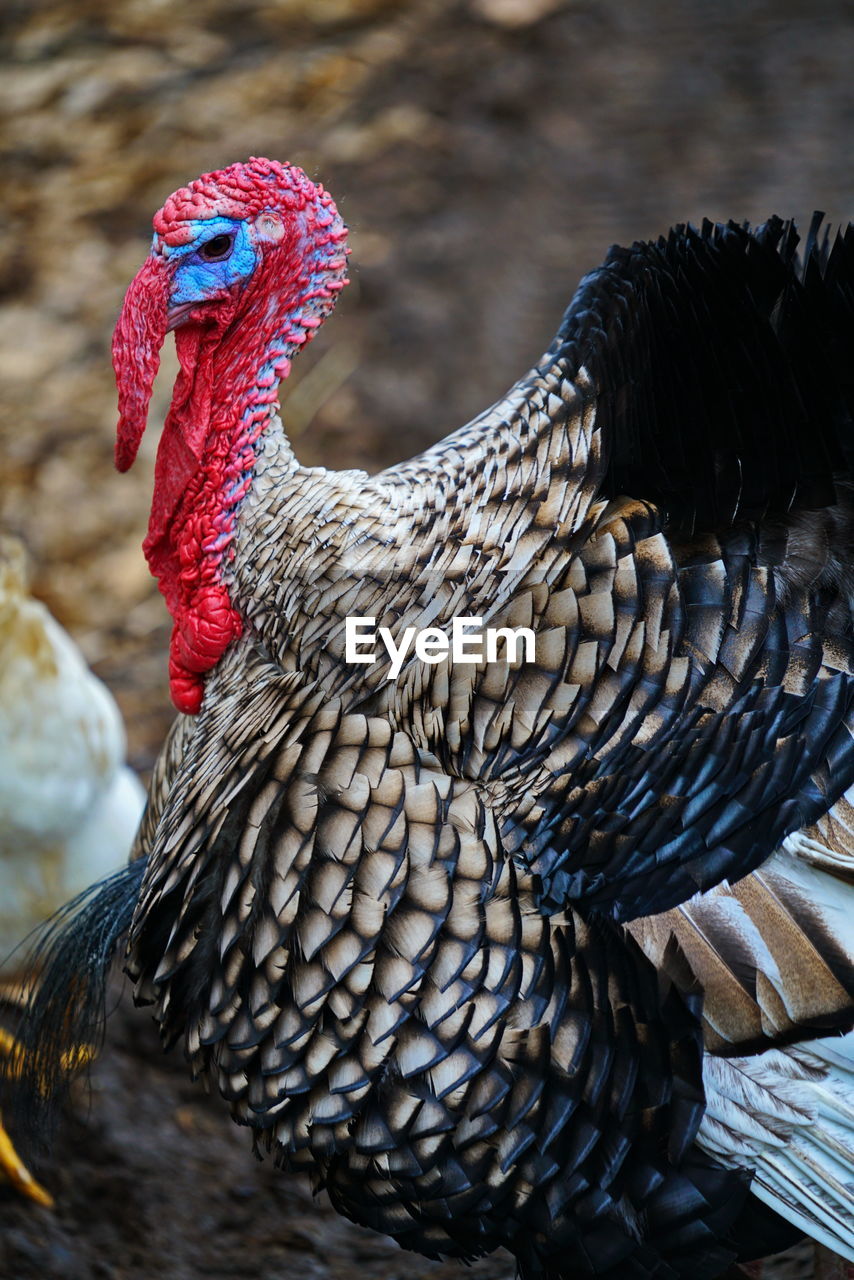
788, 1115
737, 354
65, 1015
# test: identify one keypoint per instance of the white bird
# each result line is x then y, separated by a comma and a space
69, 805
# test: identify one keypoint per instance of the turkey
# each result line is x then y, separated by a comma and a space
548, 951
69, 805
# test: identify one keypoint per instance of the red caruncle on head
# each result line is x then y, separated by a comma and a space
259, 231
244, 266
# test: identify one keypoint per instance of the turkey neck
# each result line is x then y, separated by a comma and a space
256, 540
225, 397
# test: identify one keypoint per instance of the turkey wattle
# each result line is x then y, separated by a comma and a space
410, 928
244, 289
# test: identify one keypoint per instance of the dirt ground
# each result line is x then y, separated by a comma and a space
485, 153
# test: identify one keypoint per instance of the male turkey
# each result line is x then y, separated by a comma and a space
401, 924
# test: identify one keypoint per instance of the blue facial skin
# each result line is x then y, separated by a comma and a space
197, 280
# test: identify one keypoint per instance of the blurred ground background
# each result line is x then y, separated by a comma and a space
485, 153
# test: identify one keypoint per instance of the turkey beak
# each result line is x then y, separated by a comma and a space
139, 335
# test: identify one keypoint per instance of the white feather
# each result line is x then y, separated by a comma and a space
788, 1116
69, 807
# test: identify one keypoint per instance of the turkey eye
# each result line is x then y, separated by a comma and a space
217, 249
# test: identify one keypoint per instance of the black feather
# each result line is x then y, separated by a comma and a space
67, 1010
722, 366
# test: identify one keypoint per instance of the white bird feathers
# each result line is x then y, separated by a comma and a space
69, 806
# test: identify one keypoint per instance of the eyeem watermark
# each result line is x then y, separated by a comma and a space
431, 644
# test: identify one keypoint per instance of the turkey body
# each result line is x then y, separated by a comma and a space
519, 953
